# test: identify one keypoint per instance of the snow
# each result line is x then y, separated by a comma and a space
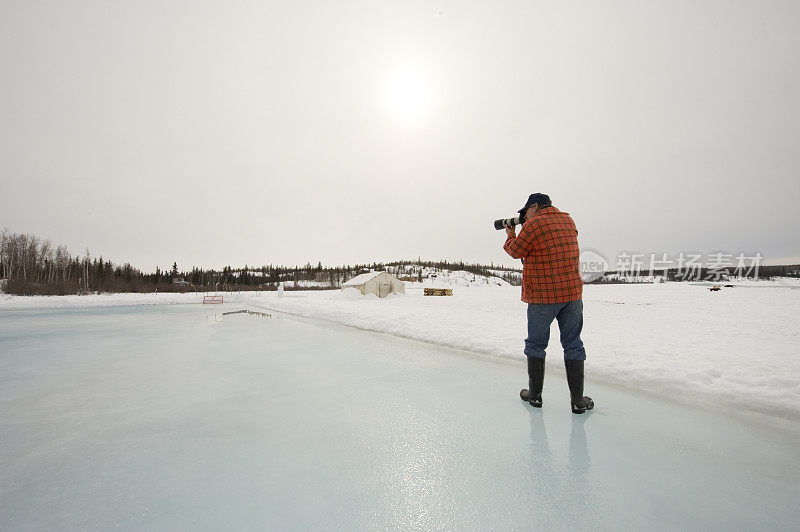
360, 279
455, 278
307, 284
102, 300
157, 417
500, 273
253, 273
759, 283
738, 346
436, 278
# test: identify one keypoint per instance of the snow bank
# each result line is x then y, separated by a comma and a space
109, 300
738, 346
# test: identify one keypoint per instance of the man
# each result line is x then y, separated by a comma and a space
552, 287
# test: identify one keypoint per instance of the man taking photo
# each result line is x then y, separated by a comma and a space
552, 287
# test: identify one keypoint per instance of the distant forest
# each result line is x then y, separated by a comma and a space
32, 266
699, 273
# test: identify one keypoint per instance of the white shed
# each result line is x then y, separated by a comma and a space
379, 283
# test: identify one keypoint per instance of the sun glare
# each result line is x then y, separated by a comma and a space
409, 94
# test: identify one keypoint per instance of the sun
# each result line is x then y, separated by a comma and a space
409, 94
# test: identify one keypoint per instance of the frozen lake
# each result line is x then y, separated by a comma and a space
159, 417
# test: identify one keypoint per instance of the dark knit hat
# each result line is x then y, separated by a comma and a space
543, 200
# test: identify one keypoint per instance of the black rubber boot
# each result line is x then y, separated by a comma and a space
580, 403
535, 381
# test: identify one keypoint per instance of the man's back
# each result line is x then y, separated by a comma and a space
548, 245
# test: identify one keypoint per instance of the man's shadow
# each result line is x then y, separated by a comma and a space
579, 460
559, 485
578, 451
539, 441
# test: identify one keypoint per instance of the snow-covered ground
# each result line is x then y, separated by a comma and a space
739, 346
455, 278
180, 417
431, 277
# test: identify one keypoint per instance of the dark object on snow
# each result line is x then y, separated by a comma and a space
728, 286
533, 395
715, 288
437, 291
250, 312
580, 403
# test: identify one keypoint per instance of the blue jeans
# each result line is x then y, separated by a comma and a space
570, 323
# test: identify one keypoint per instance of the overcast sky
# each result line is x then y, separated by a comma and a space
216, 133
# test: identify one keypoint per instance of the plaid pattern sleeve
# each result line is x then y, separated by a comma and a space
548, 247
520, 246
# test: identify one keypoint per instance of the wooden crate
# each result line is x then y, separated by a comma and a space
438, 291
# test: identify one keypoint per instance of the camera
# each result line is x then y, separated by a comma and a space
509, 222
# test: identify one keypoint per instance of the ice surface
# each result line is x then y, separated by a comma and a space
739, 346
158, 417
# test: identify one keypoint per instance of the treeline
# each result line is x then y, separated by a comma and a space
721, 274
477, 269
321, 277
702, 273
782, 270
32, 266
511, 275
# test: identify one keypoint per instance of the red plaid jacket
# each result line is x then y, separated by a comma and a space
548, 247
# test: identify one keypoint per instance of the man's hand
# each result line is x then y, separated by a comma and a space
511, 231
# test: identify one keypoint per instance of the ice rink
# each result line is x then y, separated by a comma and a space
169, 417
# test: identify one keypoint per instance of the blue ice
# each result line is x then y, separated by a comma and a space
176, 417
